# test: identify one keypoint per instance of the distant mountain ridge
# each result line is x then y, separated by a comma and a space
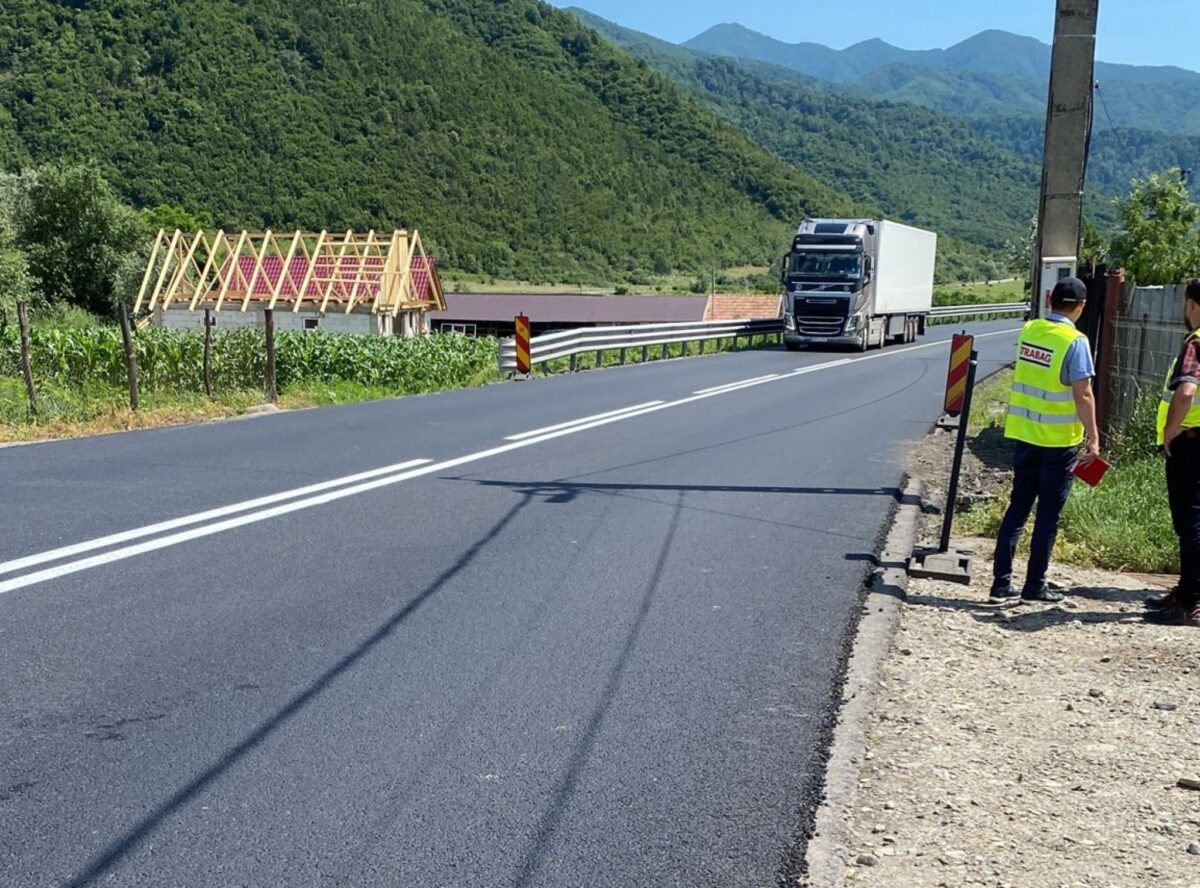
988, 52
994, 73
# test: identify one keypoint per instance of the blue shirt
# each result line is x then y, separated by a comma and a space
1078, 363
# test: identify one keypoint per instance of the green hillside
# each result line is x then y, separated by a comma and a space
520, 143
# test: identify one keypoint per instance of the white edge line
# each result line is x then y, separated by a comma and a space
150, 529
428, 469
574, 422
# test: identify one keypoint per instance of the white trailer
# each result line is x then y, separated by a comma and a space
857, 282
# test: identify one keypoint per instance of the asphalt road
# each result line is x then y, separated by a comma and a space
599, 655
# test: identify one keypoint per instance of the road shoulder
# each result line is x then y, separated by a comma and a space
1026, 745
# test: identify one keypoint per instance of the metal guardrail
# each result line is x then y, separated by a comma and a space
572, 343
987, 308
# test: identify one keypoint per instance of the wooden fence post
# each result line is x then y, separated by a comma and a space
26, 364
130, 357
208, 325
272, 394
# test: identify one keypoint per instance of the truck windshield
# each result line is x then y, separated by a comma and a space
826, 265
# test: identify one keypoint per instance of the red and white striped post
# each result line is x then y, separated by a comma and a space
956, 379
522, 325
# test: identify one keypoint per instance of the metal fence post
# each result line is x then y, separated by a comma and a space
26, 363
272, 394
130, 357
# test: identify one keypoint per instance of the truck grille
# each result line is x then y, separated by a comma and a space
819, 326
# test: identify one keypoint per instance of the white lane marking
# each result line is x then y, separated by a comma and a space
731, 385
566, 425
428, 469
163, 526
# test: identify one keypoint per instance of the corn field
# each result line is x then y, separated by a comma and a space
173, 360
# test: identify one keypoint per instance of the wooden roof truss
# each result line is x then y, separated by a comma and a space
303, 271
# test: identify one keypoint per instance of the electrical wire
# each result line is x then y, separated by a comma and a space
1104, 104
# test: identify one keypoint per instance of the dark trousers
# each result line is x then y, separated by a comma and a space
1183, 493
1041, 475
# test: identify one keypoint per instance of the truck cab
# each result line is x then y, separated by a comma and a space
825, 277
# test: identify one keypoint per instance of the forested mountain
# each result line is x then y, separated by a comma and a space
919, 166
993, 72
521, 143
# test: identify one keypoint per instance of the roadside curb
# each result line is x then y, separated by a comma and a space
828, 851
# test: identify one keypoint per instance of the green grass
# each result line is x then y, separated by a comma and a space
979, 293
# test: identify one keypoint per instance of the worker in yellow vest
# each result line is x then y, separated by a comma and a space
1179, 436
1051, 413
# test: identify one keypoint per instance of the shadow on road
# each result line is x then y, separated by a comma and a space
561, 492
126, 844
564, 790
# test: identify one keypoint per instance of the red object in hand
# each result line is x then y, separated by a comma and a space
1091, 473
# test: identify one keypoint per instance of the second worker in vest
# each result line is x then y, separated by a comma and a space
1051, 413
1179, 436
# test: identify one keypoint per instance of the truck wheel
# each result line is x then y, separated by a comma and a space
863, 340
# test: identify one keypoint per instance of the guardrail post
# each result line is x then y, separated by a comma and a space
573, 363
599, 359
645, 355
622, 357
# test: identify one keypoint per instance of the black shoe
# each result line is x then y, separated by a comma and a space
999, 593
1042, 595
1166, 601
1176, 616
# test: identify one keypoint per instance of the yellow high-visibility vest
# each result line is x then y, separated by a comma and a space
1041, 409
1192, 420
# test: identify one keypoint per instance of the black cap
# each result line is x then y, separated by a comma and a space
1069, 291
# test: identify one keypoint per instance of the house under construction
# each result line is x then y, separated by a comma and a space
348, 283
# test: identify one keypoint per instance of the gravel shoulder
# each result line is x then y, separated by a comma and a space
1032, 746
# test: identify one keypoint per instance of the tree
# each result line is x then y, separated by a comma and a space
1159, 241
75, 234
168, 217
1093, 251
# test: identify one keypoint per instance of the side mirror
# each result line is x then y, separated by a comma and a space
783, 269
867, 269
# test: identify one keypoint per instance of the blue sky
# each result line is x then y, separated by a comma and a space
1136, 32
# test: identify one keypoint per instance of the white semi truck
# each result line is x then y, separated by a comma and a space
857, 282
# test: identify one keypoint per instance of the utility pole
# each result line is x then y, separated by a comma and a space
1068, 132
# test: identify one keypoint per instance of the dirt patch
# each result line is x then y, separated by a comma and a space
1032, 746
